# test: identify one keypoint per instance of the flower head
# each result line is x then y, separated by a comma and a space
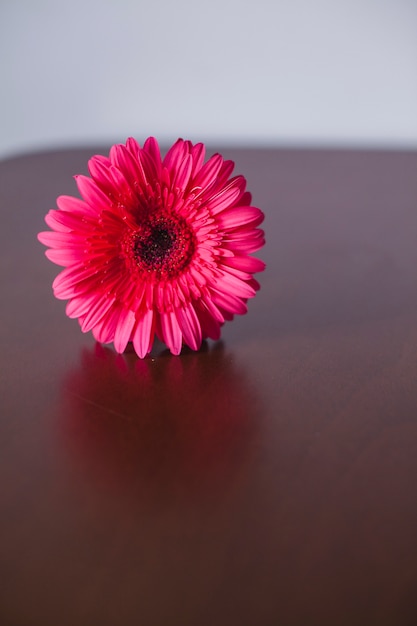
155, 247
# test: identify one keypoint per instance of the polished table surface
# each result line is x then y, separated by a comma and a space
269, 479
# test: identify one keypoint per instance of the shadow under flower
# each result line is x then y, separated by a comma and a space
163, 429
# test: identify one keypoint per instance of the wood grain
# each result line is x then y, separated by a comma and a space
270, 478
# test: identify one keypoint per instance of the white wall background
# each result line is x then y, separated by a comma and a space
303, 72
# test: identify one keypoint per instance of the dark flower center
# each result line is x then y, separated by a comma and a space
154, 244
163, 245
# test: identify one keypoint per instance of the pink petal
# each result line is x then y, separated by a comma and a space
96, 312
175, 155
245, 241
75, 205
212, 309
124, 329
198, 153
223, 267
224, 174
64, 221
105, 329
190, 326
54, 223
206, 176
127, 165
146, 172
103, 159
64, 257
210, 327
79, 305
226, 197
234, 286
144, 334
228, 302
150, 168
124, 173
133, 147
246, 199
99, 170
55, 239
182, 176
65, 284
245, 263
254, 283
240, 216
151, 147
171, 332
94, 196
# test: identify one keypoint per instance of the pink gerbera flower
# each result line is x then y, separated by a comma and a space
156, 247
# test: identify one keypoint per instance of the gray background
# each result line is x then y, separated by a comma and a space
319, 72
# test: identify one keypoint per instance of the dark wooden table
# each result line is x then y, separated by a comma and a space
269, 479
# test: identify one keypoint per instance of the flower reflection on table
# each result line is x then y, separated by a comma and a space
165, 429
